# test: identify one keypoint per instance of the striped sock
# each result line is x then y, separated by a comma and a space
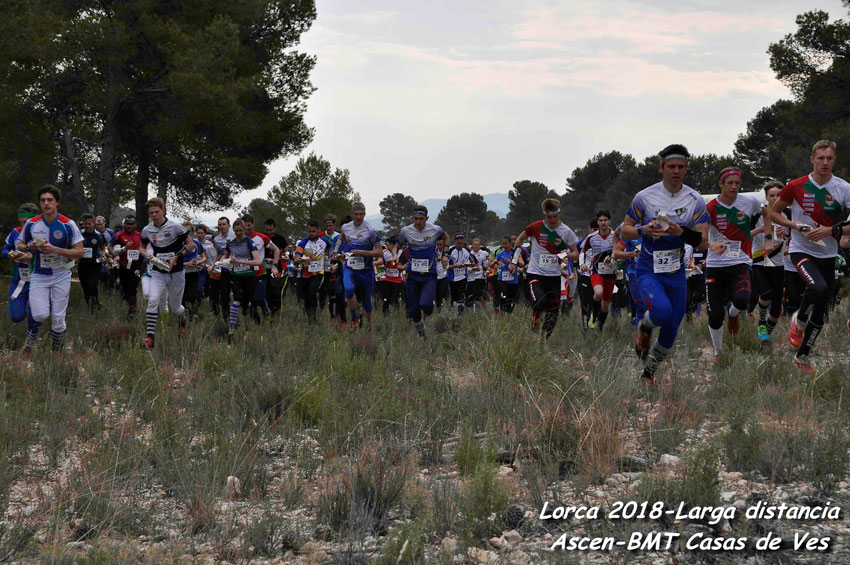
150, 326
420, 327
763, 313
234, 315
58, 339
32, 335
771, 324
656, 356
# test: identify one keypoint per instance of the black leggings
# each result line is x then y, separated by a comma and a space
818, 276
190, 291
793, 291
442, 294
129, 285
769, 283
390, 293
458, 289
545, 294
309, 289
585, 294
724, 284
507, 293
89, 277
243, 288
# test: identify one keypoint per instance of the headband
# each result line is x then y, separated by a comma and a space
558, 211
674, 156
731, 172
26, 215
423, 212
460, 236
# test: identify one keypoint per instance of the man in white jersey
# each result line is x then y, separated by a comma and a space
55, 242
170, 242
819, 203
600, 246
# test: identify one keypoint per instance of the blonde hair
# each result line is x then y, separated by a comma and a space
156, 201
550, 206
824, 144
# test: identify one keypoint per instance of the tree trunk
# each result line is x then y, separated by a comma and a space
162, 183
143, 179
106, 171
74, 201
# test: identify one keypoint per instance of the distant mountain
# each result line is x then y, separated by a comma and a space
496, 201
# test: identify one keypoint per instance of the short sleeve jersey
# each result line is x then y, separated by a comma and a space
505, 275
167, 240
479, 270
779, 240
811, 204
92, 244
362, 237
600, 248
731, 225
392, 268
685, 207
458, 257
20, 271
242, 250
630, 247
263, 243
194, 254
130, 242
62, 232
546, 244
423, 247
316, 250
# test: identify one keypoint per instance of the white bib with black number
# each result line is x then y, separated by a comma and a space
605, 267
242, 267
24, 273
420, 265
507, 276
53, 261
666, 261
392, 273
356, 262
133, 255
733, 249
88, 252
547, 260
316, 266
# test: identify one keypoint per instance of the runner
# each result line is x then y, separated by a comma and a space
600, 245
819, 203
126, 245
768, 269
628, 252
730, 249
477, 284
88, 267
243, 256
191, 266
19, 288
265, 248
422, 239
442, 260
220, 276
667, 215
170, 243
329, 285
108, 275
460, 259
55, 242
211, 255
364, 244
585, 286
310, 254
551, 242
393, 281
508, 283
275, 281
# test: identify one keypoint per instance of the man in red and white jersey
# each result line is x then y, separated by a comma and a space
266, 248
819, 204
600, 246
551, 242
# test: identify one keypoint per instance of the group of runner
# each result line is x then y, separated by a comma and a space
671, 249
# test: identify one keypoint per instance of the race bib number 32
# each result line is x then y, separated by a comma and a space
666, 261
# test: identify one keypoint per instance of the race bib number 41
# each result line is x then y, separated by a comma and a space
666, 261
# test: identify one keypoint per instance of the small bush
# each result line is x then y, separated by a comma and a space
406, 545
444, 506
483, 506
470, 454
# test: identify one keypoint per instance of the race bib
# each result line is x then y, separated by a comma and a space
507, 276
392, 273
605, 268
420, 265
733, 249
133, 255
460, 272
24, 273
315, 267
190, 268
356, 262
547, 260
88, 253
52, 261
441, 271
242, 267
165, 256
666, 261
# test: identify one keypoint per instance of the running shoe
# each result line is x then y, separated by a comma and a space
148, 343
647, 378
181, 331
732, 325
804, 364
795, 334
763, 335
592, 323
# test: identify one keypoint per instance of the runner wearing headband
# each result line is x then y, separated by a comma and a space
19, 289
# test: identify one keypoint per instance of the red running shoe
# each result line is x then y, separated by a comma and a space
148, 343
795, 335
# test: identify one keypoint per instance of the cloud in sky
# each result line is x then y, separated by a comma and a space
431, 99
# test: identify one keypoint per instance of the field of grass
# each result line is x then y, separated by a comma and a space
298, 442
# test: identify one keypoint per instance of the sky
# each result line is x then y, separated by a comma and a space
436, 98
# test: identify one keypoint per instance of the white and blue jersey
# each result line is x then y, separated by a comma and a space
505, 275
192, 255
62, 232
685, 207
20, 271
422, 245
362, 237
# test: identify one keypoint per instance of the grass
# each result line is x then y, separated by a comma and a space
350, 437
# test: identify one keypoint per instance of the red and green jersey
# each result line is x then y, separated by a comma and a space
732, 225
816, 205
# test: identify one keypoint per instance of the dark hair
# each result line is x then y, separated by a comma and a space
225, 218
270, 222
605, 213
421, 208
313, 224
87, 216
773, 184
28, 208
129, 218
57, 194
346, 219
675, 149
594, 225
330, 218
248, 218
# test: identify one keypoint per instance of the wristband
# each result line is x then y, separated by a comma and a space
640, 229
838, 229
768, 236
691, 237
